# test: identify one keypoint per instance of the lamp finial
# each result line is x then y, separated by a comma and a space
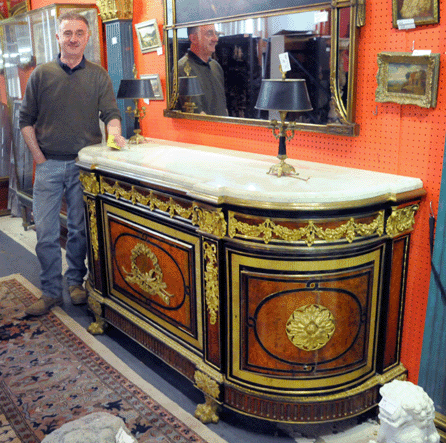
282, 72
187, 69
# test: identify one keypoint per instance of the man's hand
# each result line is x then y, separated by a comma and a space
29, 135
120, 140
114, 128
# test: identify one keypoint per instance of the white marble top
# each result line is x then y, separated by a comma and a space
214, 174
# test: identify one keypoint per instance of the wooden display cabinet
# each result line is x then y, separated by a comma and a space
278, 298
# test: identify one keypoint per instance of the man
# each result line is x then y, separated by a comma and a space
203, 40
60, 112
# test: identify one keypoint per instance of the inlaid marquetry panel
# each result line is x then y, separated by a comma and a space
393, 303
324, 323
154, 272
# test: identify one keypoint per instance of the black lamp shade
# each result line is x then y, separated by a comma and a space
189, 86
284, 95
135, 88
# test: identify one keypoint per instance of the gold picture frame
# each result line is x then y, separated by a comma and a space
423, 12
408, 79
155, 81
148, 36
11, 8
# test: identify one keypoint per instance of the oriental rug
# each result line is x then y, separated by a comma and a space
52, 371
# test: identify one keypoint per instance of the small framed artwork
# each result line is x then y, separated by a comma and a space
408, 79
156, 85
422, 12
148, 36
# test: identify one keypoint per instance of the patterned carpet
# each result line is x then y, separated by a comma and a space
52, 371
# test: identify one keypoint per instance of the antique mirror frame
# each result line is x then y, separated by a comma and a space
342, 108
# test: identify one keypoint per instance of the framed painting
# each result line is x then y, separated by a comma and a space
156, 85
423, 12
407, 79
148, 36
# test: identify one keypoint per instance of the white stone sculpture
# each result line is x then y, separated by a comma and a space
99, 427
406, 414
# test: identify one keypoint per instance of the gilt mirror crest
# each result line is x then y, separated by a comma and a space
244, 39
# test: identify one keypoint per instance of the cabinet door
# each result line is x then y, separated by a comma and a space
303, 322
154, 270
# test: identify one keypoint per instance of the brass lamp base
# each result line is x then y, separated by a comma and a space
282, 168
137, 138
189, 107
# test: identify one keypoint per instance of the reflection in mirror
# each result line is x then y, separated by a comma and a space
248, 51
198, 63
343, 56
241, 53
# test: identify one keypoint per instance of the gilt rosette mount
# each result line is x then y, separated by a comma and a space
310, 327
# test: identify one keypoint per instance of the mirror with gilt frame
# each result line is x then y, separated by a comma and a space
320, 39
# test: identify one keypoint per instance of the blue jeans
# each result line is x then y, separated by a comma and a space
53, 179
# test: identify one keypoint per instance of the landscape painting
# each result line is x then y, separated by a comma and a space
407, 79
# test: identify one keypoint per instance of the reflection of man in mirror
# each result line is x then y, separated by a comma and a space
203, 40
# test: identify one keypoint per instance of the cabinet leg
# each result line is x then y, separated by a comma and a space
99, 325
208, 412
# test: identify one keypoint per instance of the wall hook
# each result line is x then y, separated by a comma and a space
375, 112
413, 45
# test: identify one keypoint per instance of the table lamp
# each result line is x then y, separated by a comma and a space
136, 89
189, 88
283, 95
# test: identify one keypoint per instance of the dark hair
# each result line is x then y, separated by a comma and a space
192, 30
73, 15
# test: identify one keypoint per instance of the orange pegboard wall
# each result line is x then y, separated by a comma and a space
406, 140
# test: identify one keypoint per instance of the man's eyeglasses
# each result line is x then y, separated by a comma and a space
211, 34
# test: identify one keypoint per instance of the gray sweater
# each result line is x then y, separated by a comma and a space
211, 78
65, 108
